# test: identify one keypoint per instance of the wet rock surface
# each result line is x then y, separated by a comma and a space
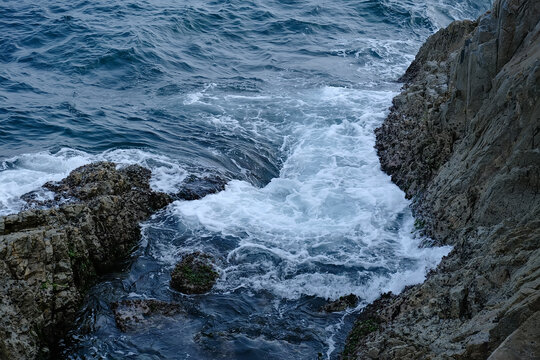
341, 304
49, 257
194, 274
463, 141
196, 187
131, 315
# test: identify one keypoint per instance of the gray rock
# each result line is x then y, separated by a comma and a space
48, 258
341, 304
467, 151
524, 343
196, 187
194, 274
132, 315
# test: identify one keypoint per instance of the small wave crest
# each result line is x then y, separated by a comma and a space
27, 172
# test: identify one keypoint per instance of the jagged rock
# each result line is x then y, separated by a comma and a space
48, 258
463, 141
134, 314
99, 179
195, 274
38, 199
341, 304
409, 144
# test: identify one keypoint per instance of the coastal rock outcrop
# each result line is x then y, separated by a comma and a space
463, 141
49, 257
141, 313
196, 187
341, 304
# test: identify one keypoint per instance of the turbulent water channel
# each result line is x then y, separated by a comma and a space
279, 97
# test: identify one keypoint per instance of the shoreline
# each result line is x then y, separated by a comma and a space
462, 141
53, 252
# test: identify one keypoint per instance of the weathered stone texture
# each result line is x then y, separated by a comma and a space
463, 141
48, 258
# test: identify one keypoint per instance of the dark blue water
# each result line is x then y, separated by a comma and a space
279, 97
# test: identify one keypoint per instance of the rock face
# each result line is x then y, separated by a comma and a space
48, 258
195, 274
196, 187
463, 141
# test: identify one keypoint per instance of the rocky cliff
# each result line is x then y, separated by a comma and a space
49, 257
463, 141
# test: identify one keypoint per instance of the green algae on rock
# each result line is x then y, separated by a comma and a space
194, 274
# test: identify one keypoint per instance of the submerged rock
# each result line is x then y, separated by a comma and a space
196, 187
341, 304
463, 141
133, 314
195, 274
49, 257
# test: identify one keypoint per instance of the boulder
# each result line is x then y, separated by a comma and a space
194, 274
195, 187
341, 304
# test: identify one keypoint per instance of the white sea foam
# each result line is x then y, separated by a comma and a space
28, 172
198, 96
167, 173
330, 208
331, 224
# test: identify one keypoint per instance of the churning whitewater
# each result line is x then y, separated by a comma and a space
280, 99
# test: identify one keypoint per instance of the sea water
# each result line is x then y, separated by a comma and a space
280, 98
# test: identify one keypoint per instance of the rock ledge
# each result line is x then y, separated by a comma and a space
49, 257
